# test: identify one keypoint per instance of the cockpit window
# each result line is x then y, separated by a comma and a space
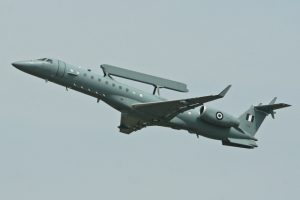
49, 61
42, 59
46, 59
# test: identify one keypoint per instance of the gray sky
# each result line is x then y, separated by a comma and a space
62, 145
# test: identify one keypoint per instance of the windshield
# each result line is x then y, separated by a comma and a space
49, 61
42, 59
46, 59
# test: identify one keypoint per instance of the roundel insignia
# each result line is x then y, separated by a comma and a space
219, 115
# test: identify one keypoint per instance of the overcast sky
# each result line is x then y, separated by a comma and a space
63, 145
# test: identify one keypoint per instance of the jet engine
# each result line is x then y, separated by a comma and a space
218, 118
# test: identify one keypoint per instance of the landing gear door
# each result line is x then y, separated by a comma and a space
61, 69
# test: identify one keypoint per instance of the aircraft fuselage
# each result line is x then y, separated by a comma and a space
121, 96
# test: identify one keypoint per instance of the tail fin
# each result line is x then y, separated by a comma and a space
251, 120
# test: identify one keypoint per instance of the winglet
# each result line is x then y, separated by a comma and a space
273, 101
223, 93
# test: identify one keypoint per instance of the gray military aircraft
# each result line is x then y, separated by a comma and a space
140, 109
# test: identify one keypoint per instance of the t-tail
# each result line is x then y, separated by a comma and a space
251, 120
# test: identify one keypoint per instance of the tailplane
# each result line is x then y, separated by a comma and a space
251, 120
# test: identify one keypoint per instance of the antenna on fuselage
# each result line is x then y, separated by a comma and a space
156, 89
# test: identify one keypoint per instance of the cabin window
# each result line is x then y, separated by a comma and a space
92, 77
127, 90
89, 70
113, 85
120, 87
99, 79
106, 82
84, 74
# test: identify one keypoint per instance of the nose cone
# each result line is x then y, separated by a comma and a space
25, 66
19, 65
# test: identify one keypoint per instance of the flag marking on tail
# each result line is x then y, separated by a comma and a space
250, 118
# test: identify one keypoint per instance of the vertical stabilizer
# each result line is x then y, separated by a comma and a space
251, 120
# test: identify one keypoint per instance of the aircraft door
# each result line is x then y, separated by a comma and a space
61, 69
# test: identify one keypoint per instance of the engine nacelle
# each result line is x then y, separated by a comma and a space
218, 118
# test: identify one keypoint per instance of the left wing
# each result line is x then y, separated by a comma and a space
130, 123
169, 109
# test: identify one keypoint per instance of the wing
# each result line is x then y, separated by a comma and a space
169, 109
130, 123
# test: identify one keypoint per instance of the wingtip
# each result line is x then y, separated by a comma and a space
287, 105
224, 92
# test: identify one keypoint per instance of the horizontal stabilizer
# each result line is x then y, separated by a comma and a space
144, 78
269, 108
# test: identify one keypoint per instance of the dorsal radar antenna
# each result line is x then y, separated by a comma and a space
155, 81
156, 90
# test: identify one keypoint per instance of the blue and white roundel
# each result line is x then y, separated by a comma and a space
219, 115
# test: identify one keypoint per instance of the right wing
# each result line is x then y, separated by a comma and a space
169, 109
